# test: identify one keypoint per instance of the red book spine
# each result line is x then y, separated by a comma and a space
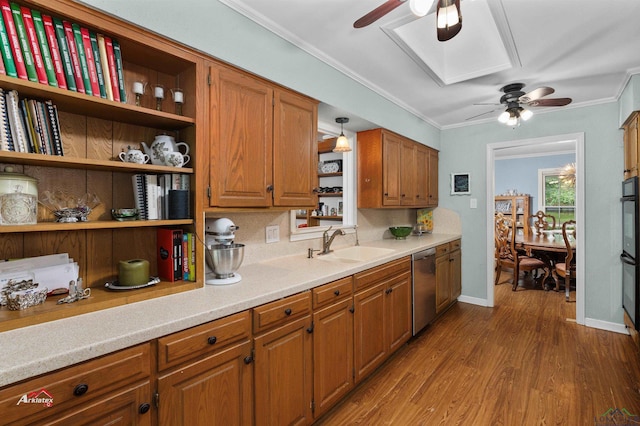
91, 63
55, 52
167, 254
34, 44
111, 60
7, 15
75, 60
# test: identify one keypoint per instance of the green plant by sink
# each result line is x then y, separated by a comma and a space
400, 232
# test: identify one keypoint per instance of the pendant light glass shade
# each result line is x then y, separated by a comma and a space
342, 143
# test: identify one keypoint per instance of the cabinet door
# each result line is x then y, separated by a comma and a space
433, 178
408, 173
443, 287
283, 375
370, 342
455, 273
631, 151
332, 355
295, 151
391, 163
216, 390
399, 311
241, 123
422, 176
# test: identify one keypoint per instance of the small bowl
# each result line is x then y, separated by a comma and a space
124, 214
400, 232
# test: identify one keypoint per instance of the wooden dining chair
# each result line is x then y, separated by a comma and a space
506, 254
543, 222
567, 269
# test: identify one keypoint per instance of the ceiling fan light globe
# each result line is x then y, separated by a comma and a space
420, 7
526, 114
504, 117
512, 121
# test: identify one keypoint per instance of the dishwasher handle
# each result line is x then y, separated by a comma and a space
424, 253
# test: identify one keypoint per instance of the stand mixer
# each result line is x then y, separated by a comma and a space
223, 256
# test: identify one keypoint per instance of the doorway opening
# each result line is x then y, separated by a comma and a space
537, 147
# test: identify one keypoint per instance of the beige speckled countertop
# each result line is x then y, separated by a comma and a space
38, 349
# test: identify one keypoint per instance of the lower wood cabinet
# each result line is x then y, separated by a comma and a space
448, 274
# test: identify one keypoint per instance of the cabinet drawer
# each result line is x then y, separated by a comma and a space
454, 245
202, 340
374, 275
280, 311
333, 291
442, 249
74, 385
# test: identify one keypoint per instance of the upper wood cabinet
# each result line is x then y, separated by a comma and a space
631, 151
394, 171
262, 142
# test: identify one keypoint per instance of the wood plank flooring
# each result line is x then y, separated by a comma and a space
520, 363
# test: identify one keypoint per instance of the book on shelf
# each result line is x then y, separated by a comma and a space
3, 71
54, 128
5, 51
14, 42
24, 42
113, 72
45, 50
185, 256
146, 194
82, 58
65, 54
91, 63
119, 69
75, 58
169, 254
34, 147
56, 56
106, 73
192, 256
45, 127
34, 45
38, 126
18, 132
6, 141
98, 63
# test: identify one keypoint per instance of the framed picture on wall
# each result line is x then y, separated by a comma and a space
460, 183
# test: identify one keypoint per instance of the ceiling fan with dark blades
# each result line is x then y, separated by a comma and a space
448, 15
516, 100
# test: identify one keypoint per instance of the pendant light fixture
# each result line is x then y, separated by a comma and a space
448, 19
342, 143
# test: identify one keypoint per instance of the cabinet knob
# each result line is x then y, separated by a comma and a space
388, 291
287, 311
269, 188
80, 389
212, 340
248, 359
337, 292
386, 194
310, 329
144, 407
352, 309
403, 195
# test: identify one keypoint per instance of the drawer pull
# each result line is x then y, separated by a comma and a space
287, 311
80, 389
337, 292
144, 407
248, 359
212, 340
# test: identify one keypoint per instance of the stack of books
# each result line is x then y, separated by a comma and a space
151, 193
28, 125
45, 49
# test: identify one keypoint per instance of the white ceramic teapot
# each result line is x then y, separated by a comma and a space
134, 156
162, 145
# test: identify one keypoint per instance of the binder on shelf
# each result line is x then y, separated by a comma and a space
34, 45
82, 58
45, 50
18, 132
139, 195
6, 141
169, 254
45, 126
28, 125
65, 54
91, 64
3, 71
14, 42
24, 42
5, 50
37, 125
54, 49
98, 63
54, 127
119, 70
73, 53
106, 73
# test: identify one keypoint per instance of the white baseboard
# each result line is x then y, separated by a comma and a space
606, 325
473, 300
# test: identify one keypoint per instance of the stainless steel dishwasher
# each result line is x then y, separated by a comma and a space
423, 271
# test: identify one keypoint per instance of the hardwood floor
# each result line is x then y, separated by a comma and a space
520, 363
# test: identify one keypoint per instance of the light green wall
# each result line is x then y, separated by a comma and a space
630, 98
220, 32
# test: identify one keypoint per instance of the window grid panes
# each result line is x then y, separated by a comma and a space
559, 196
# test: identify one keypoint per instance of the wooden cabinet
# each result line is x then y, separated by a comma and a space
517, 208
93, 132
283, 361
448, 274
631, 142
394, 171
213, 383
382, 321
262, 147
114, 389
332, 344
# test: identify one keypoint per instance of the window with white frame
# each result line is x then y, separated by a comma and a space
557, 193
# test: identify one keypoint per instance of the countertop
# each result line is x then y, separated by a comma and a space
41, 348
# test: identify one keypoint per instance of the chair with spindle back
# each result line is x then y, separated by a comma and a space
567, 269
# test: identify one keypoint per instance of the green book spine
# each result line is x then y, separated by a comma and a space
24, 43
44, 48
64, 54
84, 67
7, 57
96, 57
120, 70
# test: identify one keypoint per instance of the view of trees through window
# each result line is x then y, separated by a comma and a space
559, 195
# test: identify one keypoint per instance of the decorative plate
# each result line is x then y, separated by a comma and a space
330, 168
114, 285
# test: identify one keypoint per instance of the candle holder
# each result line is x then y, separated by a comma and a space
138, 89
158, 93
178, 98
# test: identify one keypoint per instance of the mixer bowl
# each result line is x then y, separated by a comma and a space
224, 259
